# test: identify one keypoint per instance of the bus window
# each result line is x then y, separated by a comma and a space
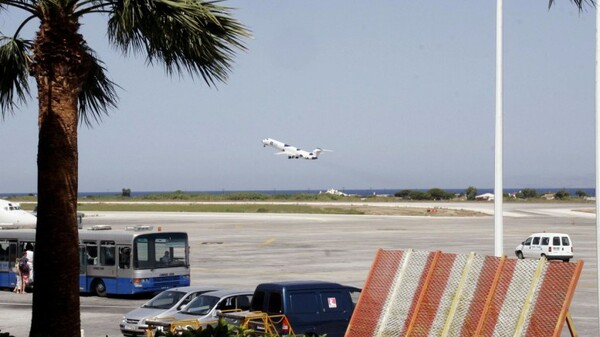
140, 257
4, 251
150, 251
107, 253
161, 251
82, 260
124, 257
91, 248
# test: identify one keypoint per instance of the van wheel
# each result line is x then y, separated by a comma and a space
567, 260
99, 288
520, 255
544, 256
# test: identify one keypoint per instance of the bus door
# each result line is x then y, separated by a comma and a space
83, 262
98, 275
8, 255
124, 271
105, 270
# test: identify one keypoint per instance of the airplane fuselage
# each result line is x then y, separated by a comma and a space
292, 152
11, 213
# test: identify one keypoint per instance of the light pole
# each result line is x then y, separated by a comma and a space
498, 187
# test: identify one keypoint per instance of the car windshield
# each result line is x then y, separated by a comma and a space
165, 300
201, 305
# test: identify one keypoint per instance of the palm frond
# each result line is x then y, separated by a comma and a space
14, 72
98, 93
185, 35
579, 3
26, 5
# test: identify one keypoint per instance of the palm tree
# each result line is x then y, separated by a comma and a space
186, 36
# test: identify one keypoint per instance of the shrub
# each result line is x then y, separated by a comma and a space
562, 195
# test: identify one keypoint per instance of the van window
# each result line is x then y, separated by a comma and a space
545, 241
275, 303
527, 242
257, 301
565, 241
536, 241
304, 303
556, 241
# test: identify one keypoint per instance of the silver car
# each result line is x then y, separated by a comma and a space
167, 302
204, 308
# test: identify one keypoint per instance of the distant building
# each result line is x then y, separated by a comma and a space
334, 192
547, 196
485, 196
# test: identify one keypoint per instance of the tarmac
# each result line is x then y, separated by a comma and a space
234, 250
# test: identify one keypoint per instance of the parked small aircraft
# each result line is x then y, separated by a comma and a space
12, 213
292, 151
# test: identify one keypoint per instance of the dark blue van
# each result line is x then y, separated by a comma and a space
313, 308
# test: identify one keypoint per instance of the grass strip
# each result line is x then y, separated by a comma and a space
217, 208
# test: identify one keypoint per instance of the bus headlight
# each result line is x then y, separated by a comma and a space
137, 282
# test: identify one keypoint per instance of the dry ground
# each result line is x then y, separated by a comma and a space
414, 211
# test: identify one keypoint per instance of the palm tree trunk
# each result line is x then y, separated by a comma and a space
58, 69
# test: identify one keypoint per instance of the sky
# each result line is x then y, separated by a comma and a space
402, 92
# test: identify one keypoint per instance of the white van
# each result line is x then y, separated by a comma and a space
554, 246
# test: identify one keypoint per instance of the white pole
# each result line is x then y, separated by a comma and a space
498, 190
598, 157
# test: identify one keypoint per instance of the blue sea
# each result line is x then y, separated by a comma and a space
360, 192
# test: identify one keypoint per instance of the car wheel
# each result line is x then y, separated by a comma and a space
99, 288
520, 255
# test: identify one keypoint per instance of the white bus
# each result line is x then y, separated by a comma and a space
136, 260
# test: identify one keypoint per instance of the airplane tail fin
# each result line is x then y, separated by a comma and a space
318, 151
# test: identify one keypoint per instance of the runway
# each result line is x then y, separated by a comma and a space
242, 250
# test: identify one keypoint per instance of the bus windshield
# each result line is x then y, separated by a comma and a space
160, 250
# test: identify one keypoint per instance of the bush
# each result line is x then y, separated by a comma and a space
471, 193
403, 194
527, 193
562, 195
439, 194
222, 329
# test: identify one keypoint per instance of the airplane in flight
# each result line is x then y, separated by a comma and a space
12, 213
291, 151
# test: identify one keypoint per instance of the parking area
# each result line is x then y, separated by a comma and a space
242, 250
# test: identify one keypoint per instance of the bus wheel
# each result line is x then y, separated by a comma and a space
99, 288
